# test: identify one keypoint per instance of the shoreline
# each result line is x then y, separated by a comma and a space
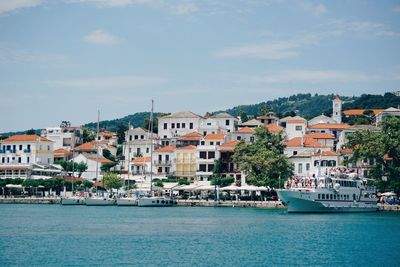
190, 203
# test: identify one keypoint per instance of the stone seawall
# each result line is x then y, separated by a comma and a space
44, 200
239, 204
387, 207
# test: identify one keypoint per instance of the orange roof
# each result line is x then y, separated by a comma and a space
334, 126
26, 138
61, 151
296, 121
346, 151
319, 136
230, 144
186, 148
107, 134
195, 136
326, 153
245, 130
273, 128
73, 179
141, 160
166, 149
102, 160
98, 184
358, 112
307, 142
89, 146
214, 137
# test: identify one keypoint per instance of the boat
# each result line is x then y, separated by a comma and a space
100, 201
336, 193
151, 200
73, 200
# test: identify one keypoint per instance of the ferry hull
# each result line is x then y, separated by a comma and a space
127, 201
72, 201
100, 202
156, 202
299, 203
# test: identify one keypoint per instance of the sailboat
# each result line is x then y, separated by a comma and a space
151, 200
101, 200
129, 200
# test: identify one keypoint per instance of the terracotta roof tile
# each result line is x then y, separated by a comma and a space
214, 137
141, 160
194, 136
26, 138
166, 149
245, 130
186, 148
61, 151
334, 126
307, 142
296, 121
326, 153
319, 136
273, 128
358, 112
230, 144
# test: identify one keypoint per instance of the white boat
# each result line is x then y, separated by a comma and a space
127, 201
100, 201
330, 194
162, 201
73, 200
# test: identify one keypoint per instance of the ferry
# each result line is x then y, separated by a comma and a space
341, 193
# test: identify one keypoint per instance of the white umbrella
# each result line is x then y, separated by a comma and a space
263, 188
250, 188
14, 186
231, 188
388, 194
205, 188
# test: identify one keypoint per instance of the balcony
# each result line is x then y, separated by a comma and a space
162, 162
2, 151
27, 151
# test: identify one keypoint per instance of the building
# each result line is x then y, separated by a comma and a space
295, 128
268, 119
218, 123
321, 119
308, 164
93, 162
302, 145
185, 165
325, 139
207, 153
109, 137
337, 109
19, 154
343, 136
65, 136
172, 126
390, 112
61, 154
333, 128
228, 166
190, 139
245, 133
253, 123
95, 147
164, 160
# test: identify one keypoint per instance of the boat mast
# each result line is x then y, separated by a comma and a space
97, 149
151, 146
129, 153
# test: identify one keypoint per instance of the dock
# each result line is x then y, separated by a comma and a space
30, 200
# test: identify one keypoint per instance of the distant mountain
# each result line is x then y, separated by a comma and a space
306, 105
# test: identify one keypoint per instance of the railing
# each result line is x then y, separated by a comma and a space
2, 151
162, 162
27, 151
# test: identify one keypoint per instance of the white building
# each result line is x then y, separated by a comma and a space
206, 154
109, 137
137, 144
64, 137
245, 133
390, 112
295, 128
309, 164
177, 124
321, 119
302, 145
164, 160
18, 153
337, 109
93, 161
218, 123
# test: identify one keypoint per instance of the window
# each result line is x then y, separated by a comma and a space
300, 168
307, 166
130, 137
191, 125
159, 170
218, 143
183, 125
238, 138
138, 151
19, 160
210, 167
294, 153
20, 147
48, 148
208, 123
167, 158
173, 125
299, 128
147, 150
252, 139
27, 159
159, 157
142, 137
227, 122
136, 137
48, 160
211, 143
165, 126
178, 125
202, 143
3, 160
204, 133
211, 154
203, 155
202, 167
319, 196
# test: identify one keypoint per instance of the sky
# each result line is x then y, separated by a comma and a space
66, 59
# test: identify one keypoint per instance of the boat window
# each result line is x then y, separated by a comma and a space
334, 197
323, 196
331, 197
354, 196
170, 202
158, 201
319, 196
153, 201
162, 201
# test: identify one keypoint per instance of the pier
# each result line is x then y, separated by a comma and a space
30, 200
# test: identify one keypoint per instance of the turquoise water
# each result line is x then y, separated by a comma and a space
52, 235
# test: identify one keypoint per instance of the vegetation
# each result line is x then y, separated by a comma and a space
263, 160
70, 166
112, 180
31, 131
222, 181
384, 148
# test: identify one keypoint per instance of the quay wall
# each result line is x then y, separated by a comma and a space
387, 207
239, 204
44, 200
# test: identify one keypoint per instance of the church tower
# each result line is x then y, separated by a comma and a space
337, 109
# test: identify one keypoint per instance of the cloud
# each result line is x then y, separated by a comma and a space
100, 37
314, 9
184, 8
7, 6
396, 8
313, 76
11, 54
111, 82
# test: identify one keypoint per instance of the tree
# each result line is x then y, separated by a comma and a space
87, 135
31, 131
263, 160
112, 180
243, 116
264, 110
107, 154
81, 167
383, 147
121, 129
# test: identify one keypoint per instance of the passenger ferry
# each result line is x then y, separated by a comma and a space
344, 193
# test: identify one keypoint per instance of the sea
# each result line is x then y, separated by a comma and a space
54, 235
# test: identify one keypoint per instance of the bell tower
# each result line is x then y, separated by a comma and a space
337, 109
